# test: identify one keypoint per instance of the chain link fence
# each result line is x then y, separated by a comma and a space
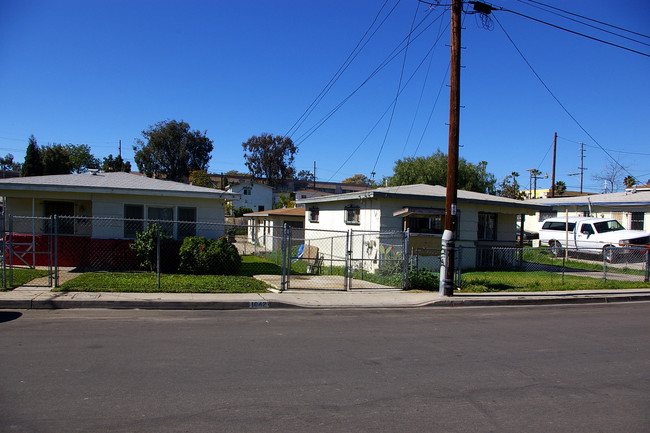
286, 256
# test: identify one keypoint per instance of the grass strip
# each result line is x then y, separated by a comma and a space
169, 283
23, 276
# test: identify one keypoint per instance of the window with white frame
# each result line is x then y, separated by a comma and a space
314, 214
352, 214
247, 190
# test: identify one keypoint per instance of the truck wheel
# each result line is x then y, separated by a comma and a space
556, 248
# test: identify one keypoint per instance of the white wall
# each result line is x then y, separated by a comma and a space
261, 195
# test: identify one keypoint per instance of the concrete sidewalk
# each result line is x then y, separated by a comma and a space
43, 298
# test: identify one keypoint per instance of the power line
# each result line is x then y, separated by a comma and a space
348, 61
587, 18
588, 25
391, 56
575, 32
556, 99
399, 85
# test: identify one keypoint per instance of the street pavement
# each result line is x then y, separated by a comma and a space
31, 297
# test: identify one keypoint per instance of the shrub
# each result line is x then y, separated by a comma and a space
424, 280
202, 256
145, 249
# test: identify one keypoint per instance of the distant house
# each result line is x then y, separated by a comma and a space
265, 228
252, 195
630, 208
111, 206
483, 220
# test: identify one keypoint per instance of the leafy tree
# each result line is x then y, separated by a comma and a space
305, 175
284, 201
234, 173
56, 160
171, 150
560, 187
509, 187
33, 165
111, 165
359, 179
270, 157
8, 163
240, 211
432, 170
629, 181
81, 158
201, 178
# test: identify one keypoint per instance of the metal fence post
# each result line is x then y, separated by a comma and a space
283, 262
55, 251
459, 264
158, 255
363, 243
4, 253
647, 265
605, 264
405, 256
346, 266
11, 251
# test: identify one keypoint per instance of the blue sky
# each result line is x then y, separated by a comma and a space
96, 72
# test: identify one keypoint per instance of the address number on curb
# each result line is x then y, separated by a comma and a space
258, 304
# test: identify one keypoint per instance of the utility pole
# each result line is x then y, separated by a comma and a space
553, 172
120, 149
314, 175
582, 167
449, 235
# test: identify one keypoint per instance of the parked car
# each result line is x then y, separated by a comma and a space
590, 235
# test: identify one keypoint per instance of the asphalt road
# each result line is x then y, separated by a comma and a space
498, 369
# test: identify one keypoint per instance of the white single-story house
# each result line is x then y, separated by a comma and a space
630, 208
265, 228
252, 195
111, 206
483, 220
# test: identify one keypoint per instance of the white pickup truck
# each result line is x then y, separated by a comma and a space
590, 235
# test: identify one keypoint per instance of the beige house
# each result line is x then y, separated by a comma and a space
115, 197
265, 228
483, 220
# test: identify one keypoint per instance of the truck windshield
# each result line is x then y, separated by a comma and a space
608, 226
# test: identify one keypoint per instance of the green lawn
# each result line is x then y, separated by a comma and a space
22, 276
536, 282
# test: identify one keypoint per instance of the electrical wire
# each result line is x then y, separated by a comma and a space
590, 19
583, 23
390, 105
391, 56
399, 86
424, 85
574, 32
348, 61
556, 99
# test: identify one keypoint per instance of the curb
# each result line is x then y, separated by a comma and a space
54, 304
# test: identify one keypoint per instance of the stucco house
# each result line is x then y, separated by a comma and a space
110, 206
631, 208
265, 228
253, 195
483, 220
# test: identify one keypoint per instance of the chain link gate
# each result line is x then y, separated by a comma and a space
344, 261
29, 242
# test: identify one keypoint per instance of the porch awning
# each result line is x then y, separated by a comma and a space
418, 211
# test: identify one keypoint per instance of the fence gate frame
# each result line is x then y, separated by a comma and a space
9, 251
